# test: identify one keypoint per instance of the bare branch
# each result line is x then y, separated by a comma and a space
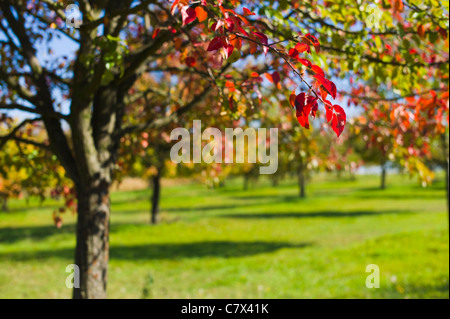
20, 107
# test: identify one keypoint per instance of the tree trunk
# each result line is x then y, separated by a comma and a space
301, 182
275, 182
92, 250
156, 183
246, 182
383, 176
445, 151
4, 203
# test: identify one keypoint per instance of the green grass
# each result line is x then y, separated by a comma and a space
260, 243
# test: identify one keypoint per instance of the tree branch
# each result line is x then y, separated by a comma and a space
12, 134
20, 107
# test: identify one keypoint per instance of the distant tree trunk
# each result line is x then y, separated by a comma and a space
352, 174
445, 151
383, 175
156, 195
275, 182
92, 250
4, 203
301, 181
246, 182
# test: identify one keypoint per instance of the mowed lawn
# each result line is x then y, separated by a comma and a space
260, 243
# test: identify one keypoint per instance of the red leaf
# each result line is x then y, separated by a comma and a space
237, 24
317, 70
339, 120
215, 44
264, 41
302, 111
313, 40
329, 111
229, 24
276, 77
329, 86
247, 12
188, 15
293, 53
190, 61
323, 93
300, 102
261, 36
230, 86
292, 99
155, 33
301, 47
305, 62
311, 101
303, 120
228, 50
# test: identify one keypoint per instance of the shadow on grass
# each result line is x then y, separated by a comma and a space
182, 209
269, 198
326, 214
237, 202
381, 195
25, 207
129, 200
205, 208
168, 251
13, 234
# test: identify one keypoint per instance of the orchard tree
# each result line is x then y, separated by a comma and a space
401, 133
28, 170
372, 138
145, 156
145, 153
340, 156
299, 152
394, 55
117, 42
154, 96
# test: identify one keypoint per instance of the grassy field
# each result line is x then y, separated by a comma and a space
260, 243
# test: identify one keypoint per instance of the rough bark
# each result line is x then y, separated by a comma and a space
92, 249
94, 143
156, 195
